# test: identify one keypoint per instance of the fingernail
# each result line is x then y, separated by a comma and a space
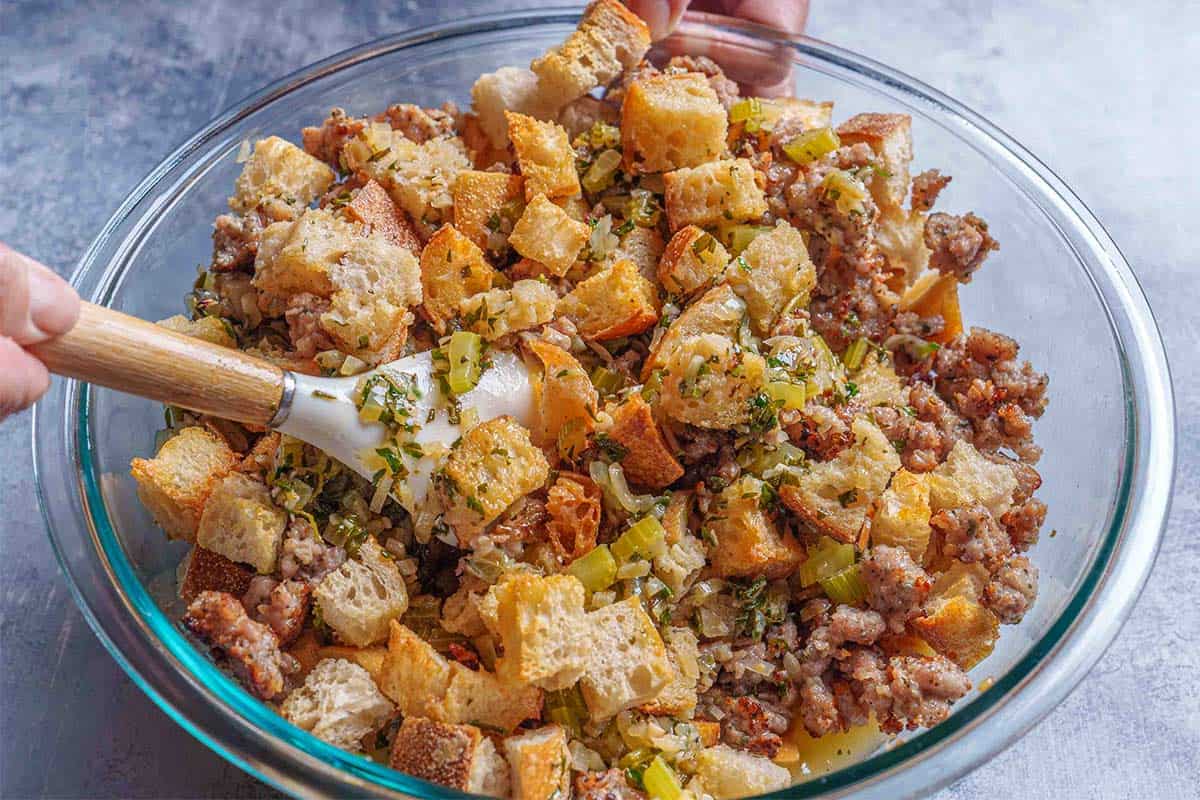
657, 15
53, 303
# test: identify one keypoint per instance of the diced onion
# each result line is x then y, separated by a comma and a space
602, 172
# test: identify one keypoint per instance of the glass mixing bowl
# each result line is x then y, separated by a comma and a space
1059, 284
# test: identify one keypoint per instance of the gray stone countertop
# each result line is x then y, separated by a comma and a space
92, 95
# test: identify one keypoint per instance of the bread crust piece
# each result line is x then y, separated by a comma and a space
544, 155
565, 399
542, 626
966, 477
678, 698
175, 484
280, 171
647, 461
902, 515
748, 542
373, 207
616, 302
205, 570
627, 662
728, 773
770, 273
240, 522
539, 764
890, 137
452, 269
692, 261
709, 381
671, 120
718, 310
548, 235
608, 40
712, 193
478, 200
338, 703
458, 756
360, 598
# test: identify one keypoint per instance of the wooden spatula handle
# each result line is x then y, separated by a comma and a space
131, 355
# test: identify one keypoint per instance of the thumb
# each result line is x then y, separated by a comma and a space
35, 304
660, 15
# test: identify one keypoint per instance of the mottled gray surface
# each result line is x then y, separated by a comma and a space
93, 95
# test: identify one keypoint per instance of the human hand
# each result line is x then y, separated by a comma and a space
35, 305
662, 16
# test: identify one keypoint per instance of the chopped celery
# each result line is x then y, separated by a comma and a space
739, 237
789, 395
660, 781
567, 708
825, 560
643, 209
758, 459
599, 136
745, 109
755, 113
811, 145
596, 570
352, 366
856, 352
847, 586
634, 764
602, 172
846, 191
464, 353
607, 381
641, 539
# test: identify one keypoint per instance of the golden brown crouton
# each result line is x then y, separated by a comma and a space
966, 477
692, 261
644, 247
544, 155
539, 764
175, 483
609, 39
810, 114
359, 599
671, 120
715, 192
338, 703
627, 662
612, 303
718, 310
546, 234
508, 89
458, 756
452, 269
479, 198
890, 137
748, 543
565, 399
771, 273
541, 624
280, 171
960, 628
935, 295
678, 698
647, 461
240, 522
499, 312
374, 208
205, 570
902, 515
725, 773
710, 381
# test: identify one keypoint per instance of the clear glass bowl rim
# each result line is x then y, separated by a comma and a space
223, 716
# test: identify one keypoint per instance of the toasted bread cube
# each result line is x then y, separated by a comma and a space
627, 660
749, 544
203, 570
548, 235
544, 155
608, 40
616, 302
878, 384
338, 703
499, 312
934, 294
902, 515
711, 382
493, 465
452, 269
482, 697
671, 120
508, 89
648, 461
692, 261
299, 256
900, 235
375, 283
458, 756
684, 554
565, 399
678, 698
772, 272
959, 628
484, 153
307, 651
359, 599
715, 192
834, 496
718, 310
644, 247
966, 477
209, 329
479, 198
724, 772
279, 170
541, 623
890, 137
241, 523
372, 207
710, 732
175, 483
805, 114
539, 764
369, 658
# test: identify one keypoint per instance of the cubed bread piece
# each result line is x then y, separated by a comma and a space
452, 269
644, 247
770, 273
175, 483
890, 137
279, 170
458, 756
240, 522
959, 628
359, 599
803, 115
213, 330
544, 155
499, 312
338, 703
647, 461
719, 310
374, 208
539, 764
902, 515
710, 732
877, 382
834, 497
710, 381
728, 773
615, 302
479, 200
541, 623
715, 192
900, 235
565, 399
546, 234
375, 284
966, 477
369, 658
608, 40
203, 570
298, 256
678, 698
508, 89
417, 176
307, 652
934, 294
491, 466
627, 662
748, 542
671, 120
692, 261
684, 554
